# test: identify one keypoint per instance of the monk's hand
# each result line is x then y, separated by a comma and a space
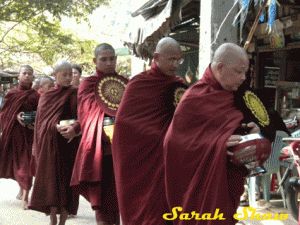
61, 128
234, 140
254, 128
20, 119
68, 132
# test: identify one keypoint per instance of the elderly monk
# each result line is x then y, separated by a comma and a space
200, 177
46, 85
55, 147
17, 138
142, 119
93, 173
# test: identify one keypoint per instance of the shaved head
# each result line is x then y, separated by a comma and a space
103, 47
61, 64
46, 80
229, 66
229, 53
62, 72
26, 67
168, 56
36, 84
165, 44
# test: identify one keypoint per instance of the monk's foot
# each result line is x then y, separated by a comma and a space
20, 194
25, 205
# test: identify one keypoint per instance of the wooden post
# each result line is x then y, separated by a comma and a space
254, 26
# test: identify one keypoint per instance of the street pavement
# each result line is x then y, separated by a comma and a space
272, 208
11, 212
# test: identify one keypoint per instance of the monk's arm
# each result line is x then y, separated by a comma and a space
76, 125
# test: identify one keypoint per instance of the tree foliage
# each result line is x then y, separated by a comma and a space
24, 10
31, 28
124, 65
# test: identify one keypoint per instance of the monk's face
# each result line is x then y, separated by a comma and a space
106, 62
64, 76
231, 76
36, 85
26, 76
169, 60
76, 74
47, 85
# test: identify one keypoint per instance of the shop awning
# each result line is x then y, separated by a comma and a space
7, 77
161, 18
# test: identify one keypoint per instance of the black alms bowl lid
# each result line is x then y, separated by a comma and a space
175, 92
109, 91
254, 110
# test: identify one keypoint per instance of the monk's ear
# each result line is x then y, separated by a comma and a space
54, 75
220, 66
95, 60
155, 56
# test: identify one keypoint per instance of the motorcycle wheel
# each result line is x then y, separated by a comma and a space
292, 199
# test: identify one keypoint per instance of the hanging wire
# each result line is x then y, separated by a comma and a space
243, 11
217, 34
245, 8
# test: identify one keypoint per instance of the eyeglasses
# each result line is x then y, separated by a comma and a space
175, 61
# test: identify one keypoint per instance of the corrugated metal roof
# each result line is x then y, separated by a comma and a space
160, 18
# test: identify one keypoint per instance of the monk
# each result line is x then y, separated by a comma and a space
17, 138
55, 147
199, 174
77, 71
46, 85
93, 174
36, 84
142, 120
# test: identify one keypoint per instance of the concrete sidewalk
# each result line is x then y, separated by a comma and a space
11, 212
273, 207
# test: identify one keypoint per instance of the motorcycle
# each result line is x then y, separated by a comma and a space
292, 124
292, 186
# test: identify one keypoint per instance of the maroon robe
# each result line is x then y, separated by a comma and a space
16, 140
199, 175
142, 119
93, 173
54, 156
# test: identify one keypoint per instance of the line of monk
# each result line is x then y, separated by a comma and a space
162, 155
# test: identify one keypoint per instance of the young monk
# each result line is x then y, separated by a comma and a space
93, 173
16, 140
77, 71
55, 148
46, 85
